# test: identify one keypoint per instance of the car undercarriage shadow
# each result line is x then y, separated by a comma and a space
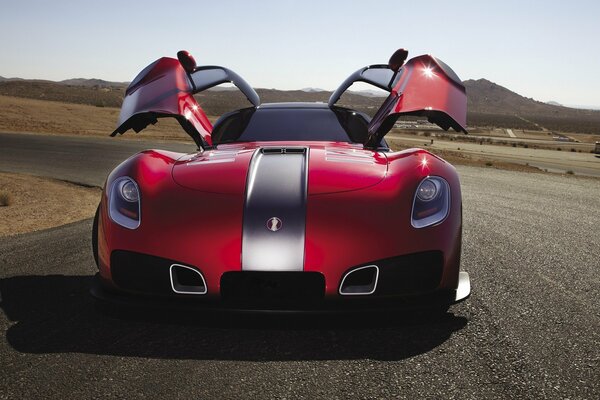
55, 314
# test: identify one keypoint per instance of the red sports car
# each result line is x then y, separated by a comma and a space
294, 206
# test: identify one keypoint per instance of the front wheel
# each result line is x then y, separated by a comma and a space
95, 235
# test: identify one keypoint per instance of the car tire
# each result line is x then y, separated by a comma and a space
95, 235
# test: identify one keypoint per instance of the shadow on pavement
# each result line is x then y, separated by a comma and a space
56, 314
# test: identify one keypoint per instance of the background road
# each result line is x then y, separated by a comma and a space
552, 160
86, 160
530, 330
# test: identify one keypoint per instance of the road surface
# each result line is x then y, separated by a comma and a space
531, 329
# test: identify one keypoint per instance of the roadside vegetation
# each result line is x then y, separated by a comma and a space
6, 199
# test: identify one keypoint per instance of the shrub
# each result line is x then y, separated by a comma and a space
5, 199
488, 164
569, 172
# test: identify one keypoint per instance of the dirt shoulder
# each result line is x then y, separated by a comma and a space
505, 157
41, 203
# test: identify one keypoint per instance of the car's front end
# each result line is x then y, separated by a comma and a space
285, 205
232, 228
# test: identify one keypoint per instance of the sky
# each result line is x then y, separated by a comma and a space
547, 50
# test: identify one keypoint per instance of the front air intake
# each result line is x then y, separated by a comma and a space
187, 280
360, 281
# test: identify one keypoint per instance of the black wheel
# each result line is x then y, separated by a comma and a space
95, 235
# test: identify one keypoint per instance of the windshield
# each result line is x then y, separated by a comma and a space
290, 124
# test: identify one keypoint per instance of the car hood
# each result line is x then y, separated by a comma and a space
332, 167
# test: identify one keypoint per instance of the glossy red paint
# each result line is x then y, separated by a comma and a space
178, 223
374, 223
163, 90
338, 167
333, 167
202, 226
425, 86
215, 171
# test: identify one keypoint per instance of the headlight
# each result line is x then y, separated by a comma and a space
431, 202
428, 189
124, 202
129, 191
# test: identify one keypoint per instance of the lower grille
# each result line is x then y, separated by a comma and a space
410, 274
277, 288
141, 272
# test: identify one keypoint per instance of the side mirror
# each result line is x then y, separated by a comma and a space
187, 61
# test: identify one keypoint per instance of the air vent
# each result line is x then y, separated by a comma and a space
360, 281
187, 280
283, 150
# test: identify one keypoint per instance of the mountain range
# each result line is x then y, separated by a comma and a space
489, 104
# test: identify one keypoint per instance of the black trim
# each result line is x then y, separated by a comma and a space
438, 301
274, 289
141, 273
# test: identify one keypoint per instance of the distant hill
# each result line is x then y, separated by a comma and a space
488, 97
3, 79
55, 91
312, 89
494, 105
222, 101
370, 93
215, 101
489, 104
93, 82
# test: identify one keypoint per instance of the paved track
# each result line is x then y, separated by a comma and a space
86, 160
530, 330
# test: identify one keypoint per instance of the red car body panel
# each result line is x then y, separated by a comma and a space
211, 219
425, 86
358, 203
162, 91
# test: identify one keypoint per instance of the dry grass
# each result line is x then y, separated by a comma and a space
458, 157
52, 117
43, 203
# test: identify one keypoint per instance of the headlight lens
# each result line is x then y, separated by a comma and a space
427, 190
431, 202
124, 199
129, 191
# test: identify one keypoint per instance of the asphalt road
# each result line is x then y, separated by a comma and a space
531, 329
86, 160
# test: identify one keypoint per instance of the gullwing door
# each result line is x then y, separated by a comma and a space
424, 86
166, 87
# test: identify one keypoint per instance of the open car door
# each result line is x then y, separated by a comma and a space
424, 86
166, 87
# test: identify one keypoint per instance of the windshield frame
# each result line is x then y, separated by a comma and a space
232, 127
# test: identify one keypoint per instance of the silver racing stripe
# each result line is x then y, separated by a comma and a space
275, 210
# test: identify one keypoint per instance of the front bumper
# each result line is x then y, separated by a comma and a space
438, 300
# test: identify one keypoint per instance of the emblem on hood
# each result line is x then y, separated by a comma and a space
274, 224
